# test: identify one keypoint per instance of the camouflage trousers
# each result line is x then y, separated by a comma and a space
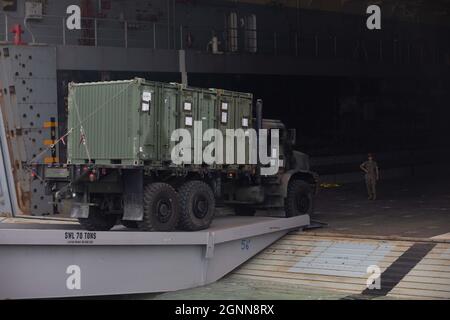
371, 183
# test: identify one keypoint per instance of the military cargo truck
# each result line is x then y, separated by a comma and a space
121, 163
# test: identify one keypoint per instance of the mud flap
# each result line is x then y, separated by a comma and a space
133, 196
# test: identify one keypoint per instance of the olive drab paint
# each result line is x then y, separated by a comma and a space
131, 122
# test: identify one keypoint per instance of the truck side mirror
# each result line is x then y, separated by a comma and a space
292, 136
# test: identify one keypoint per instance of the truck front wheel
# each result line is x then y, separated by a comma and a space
161, 208
197, 206
299, 199
98, 220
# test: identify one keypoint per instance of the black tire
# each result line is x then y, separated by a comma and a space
198, 206
244, 211
299, 200
161, 208
130, 224
98, 220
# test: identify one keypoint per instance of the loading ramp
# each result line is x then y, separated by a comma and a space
409, 268
43, 260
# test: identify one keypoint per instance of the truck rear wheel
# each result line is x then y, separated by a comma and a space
299, 199
98, 220
197, 206
161, 208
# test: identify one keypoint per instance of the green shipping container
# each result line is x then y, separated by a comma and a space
131, 122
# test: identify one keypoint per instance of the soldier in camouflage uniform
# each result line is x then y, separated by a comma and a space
370, 167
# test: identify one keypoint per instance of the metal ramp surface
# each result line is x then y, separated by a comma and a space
409, 269
59, 260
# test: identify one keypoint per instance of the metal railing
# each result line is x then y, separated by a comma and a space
375, 47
